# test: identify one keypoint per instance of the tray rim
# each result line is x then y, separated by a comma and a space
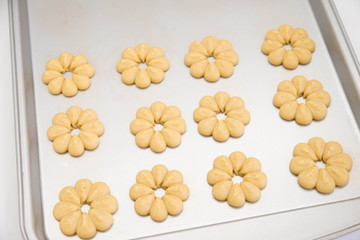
16, 8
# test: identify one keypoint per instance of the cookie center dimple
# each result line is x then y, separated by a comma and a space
67, 74
236, 179
142, 65
287, 46
159, 192
75, 131
320, 164
211, 59
85, 208
301, 100
221, 116
158, 127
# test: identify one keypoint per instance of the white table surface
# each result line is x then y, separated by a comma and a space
309, 223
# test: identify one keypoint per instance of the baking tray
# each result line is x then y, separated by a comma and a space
101, 31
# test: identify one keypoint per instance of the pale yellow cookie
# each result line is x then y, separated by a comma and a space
315, 107
301, 51
60, 133
335, 173
153, 57
233, 125
225, 58
159, 207
82, 72
224, 168
99, 218
158, 113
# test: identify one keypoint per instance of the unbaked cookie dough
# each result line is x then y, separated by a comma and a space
233, 125
220, 177
155, 61
336, 172
60, 133
158, 113
98, 218
145, 200
302, 46
315, 107
198, 59
78, 65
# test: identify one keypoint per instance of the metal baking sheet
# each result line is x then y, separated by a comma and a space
101, 31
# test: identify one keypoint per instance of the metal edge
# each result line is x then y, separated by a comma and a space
31, 214
339, 51
16, 107
340, 233
347, 39
344, 60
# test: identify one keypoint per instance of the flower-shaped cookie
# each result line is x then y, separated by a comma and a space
220, 177
220, 50
64, 140
82, 72
154, 58
233, 125
145, 200
158, 113
98, 218
315, 107
302, 46
336, 172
